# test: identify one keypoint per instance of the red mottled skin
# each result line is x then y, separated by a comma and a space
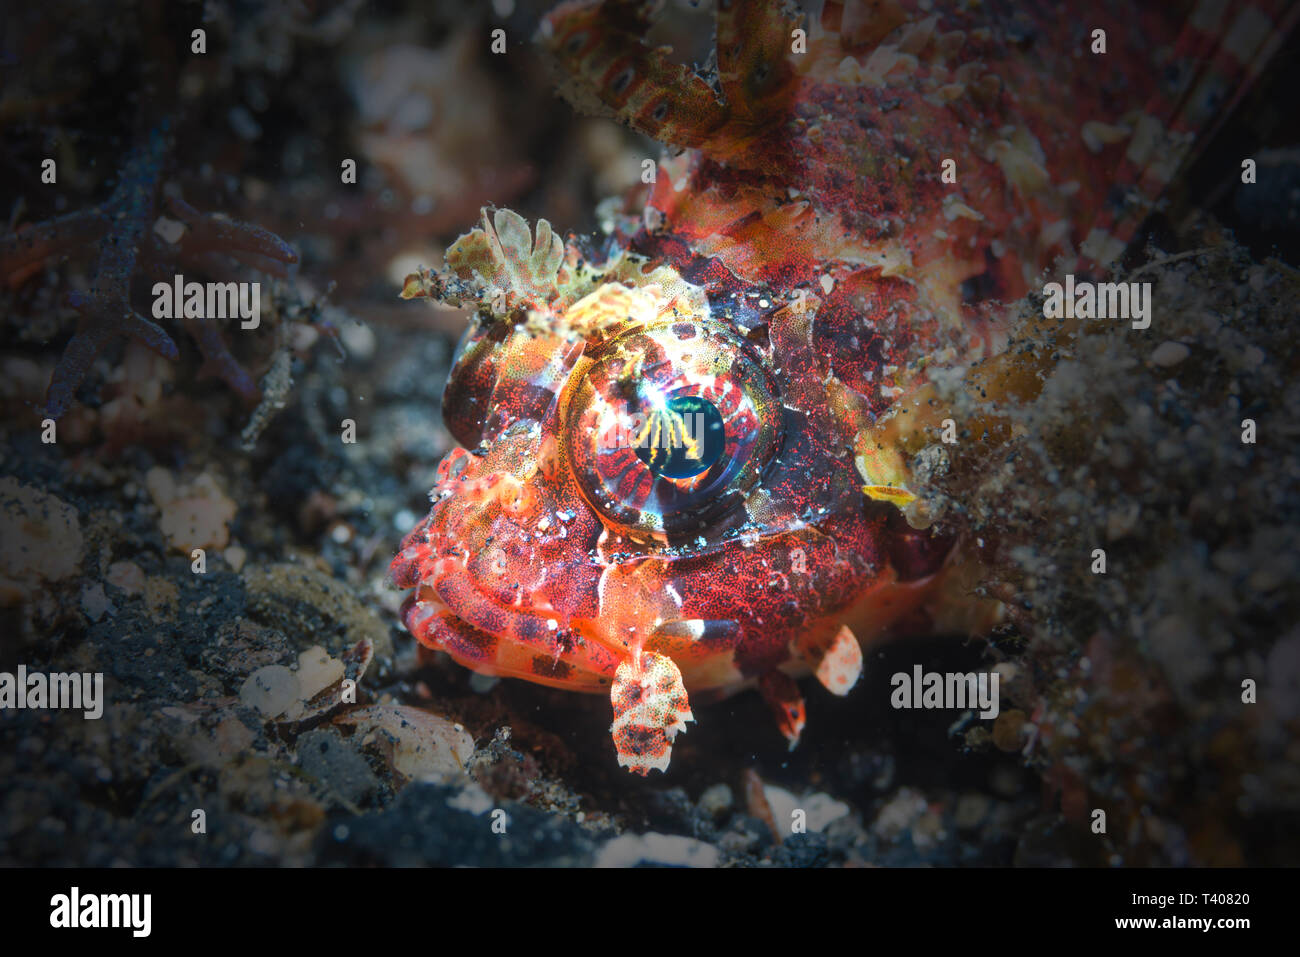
800, 264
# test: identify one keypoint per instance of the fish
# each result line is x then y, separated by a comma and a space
688, 448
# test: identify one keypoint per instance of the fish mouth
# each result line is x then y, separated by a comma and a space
451, 609
567, 664
645, 689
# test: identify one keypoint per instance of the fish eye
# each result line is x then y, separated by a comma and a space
670, 426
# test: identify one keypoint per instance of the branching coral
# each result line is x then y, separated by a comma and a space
123, 230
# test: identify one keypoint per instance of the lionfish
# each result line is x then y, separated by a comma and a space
686, 453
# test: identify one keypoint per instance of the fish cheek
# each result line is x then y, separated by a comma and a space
501, 376
474, 373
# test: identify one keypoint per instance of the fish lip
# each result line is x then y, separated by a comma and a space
443, 587
436, 627
578, 663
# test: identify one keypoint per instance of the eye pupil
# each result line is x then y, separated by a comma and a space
682, 439
664, 434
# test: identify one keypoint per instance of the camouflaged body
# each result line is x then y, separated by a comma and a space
855, 197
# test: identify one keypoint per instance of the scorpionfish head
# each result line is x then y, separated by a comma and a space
652, 474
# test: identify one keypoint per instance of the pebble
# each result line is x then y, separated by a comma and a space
358, 339
419, 746
667, 850
1170, 353
716, 801
194, 514
970, 811
235, 557
42, 540
271, 690
95, 603
317, 670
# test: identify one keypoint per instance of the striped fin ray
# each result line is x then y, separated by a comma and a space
1222, 49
